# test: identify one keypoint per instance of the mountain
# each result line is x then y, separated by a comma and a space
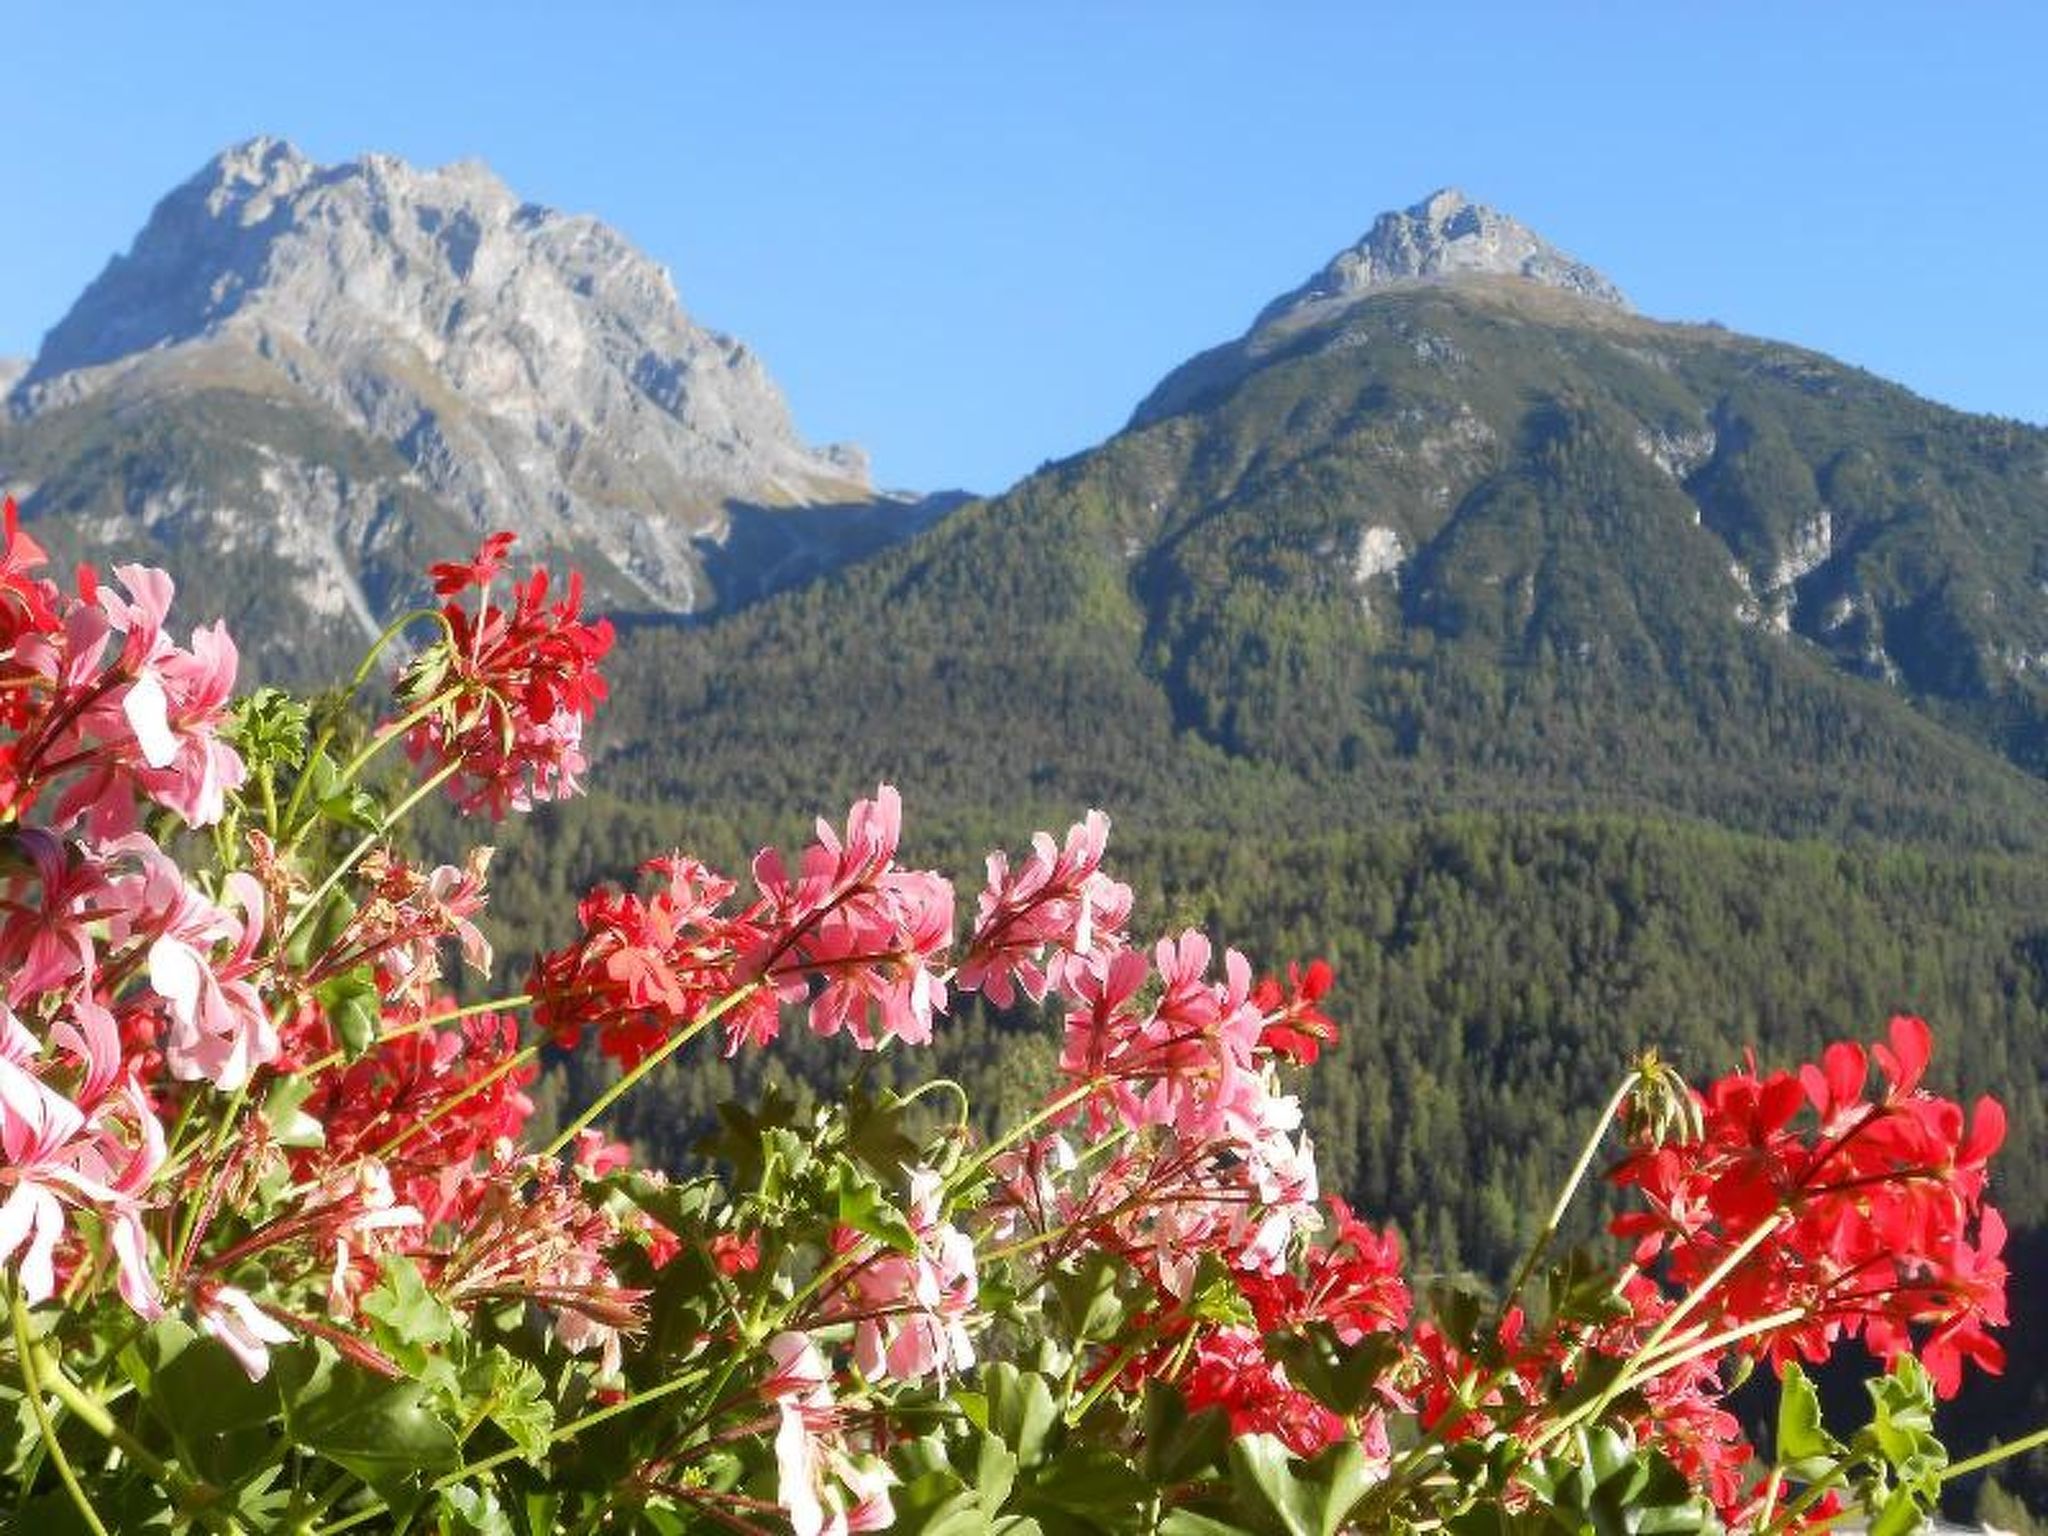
333, 369
1443, 238
1575, 681
1465, 532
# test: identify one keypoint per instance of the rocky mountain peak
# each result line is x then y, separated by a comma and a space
532, 368
1446, 235
1441, 239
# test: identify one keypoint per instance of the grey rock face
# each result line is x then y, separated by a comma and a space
531, 367
1445, 235
12, 369
1443, 238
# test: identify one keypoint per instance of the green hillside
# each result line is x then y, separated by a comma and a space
1176, 623
1542, 794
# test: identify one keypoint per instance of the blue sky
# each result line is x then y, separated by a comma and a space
971, 237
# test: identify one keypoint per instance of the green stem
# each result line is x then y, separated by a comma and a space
356, 854
391, 632
40, 1367
937, 1085
1996, 1454
568, 1431
1541, 1245
1705, 1288
418, 1026
449, 1105
387, 734
653, 1059
1789, 1518
995, 1149
33, 1387
1647, 1365
1103, 1383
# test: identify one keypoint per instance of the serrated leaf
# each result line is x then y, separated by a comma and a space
1800, 1432
474, 1509
1900, 1516
681, 1206
1088, 1296
1021, 1410
875, 1134
1178, 1445
354, 1010
525, 1413
865, 1206
411, 1316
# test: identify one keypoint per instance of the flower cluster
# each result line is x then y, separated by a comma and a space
1867, 1222
242, 1120
499, 702
116, 965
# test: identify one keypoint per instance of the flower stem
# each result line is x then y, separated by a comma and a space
653, 1059
419, 1026
1052, 1110
40, 1371
391, 632
1996, 1454
454, 1102
355, 855
1569, 1192
33, 1388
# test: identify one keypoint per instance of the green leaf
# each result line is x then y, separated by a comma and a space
1457, 1308
1182, 1522
875, 1134
284, 1114
683, 1206
347, 805
354, 1010
1900, 1516
1801, 1438
1088, 1296
1263, 1467
512, 1394
470, 1508
381, 1429
318, 934
197, 1387
412, 1317
864, 1206
1177, 1445
1340, 1376
995, 1472
1214, 1296
268, 727
1093, 1482
1021, 1410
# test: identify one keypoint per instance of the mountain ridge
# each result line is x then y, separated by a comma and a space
1479, 553
517, 366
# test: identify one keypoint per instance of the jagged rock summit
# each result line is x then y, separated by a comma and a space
532, 369
1445, 238
1445, 235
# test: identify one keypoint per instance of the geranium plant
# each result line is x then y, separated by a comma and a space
278, 1253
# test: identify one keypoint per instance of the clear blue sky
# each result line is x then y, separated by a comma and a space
971, 237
